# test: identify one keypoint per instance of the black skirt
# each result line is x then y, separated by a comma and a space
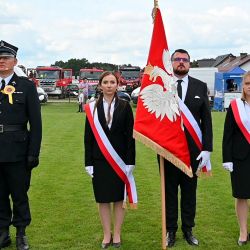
240, 179
107, 185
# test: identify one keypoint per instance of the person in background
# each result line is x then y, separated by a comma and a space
80, 101
194, 94
236, 155
85, 90
20, 140
31, 75
115, 117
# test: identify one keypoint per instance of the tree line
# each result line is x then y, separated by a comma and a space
77, 64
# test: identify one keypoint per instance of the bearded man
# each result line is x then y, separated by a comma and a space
193, 93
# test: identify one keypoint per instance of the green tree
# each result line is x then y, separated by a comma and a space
194, 64
77, 64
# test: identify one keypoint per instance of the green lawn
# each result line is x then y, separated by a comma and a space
64, 212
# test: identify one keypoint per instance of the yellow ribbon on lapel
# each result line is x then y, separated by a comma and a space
9, 90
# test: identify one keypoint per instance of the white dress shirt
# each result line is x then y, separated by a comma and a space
106, 106
184, 86
7, 80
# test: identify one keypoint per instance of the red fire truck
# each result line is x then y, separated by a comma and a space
129, 77
92, 76
53, 79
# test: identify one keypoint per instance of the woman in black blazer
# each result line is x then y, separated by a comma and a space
236, 154
116, 119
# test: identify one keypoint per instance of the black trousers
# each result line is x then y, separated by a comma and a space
175, 178
14, 183
80, 109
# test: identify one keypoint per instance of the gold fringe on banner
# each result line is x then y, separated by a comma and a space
199, 173
163, 152
131, 205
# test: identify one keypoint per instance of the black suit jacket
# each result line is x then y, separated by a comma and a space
235, 145
120, 134
197, 101
16, 146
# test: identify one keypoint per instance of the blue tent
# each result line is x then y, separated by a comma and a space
230, 81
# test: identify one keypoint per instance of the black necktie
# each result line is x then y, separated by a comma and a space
3, 84
179, 88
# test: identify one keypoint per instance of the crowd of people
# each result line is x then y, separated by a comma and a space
110, 152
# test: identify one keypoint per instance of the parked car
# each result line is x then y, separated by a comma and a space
72, 90
93, 90
42, 95
130, 87
123, 95
135, 94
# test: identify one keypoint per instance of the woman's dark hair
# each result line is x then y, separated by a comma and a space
106, 73
100, 98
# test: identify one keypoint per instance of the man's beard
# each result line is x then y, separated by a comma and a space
180, 72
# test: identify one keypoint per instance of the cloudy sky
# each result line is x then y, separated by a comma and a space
119, 31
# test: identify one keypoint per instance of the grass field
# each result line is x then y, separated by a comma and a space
64, 212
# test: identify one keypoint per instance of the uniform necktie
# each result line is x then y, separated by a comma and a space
3, 84
179, 88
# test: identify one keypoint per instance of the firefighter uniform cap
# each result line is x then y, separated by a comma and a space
7, 49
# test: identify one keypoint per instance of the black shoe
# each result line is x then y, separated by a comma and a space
242, 242
22, 242
107, 245
5, 240
191, 240
116, 244
170, 239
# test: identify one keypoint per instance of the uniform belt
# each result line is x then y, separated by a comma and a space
11, 128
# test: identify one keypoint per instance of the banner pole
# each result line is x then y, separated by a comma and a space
163, 203
154, 9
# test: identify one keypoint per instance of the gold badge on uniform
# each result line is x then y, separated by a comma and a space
9, 90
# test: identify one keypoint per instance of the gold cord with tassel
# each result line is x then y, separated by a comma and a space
154, 9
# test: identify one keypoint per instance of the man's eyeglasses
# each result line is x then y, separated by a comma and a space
179, 59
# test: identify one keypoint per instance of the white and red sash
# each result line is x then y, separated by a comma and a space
111, 155
241, 117
193, 128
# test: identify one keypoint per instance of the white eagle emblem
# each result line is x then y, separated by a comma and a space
159, 100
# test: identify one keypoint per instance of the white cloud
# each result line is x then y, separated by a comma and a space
120, 31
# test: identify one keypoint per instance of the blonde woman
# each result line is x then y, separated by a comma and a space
236, 155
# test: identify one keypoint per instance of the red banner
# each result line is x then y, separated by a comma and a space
158, 123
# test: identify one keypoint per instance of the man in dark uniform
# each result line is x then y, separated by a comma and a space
19, 146
193, 93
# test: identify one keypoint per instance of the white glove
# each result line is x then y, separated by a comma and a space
129, 169
228, 166
204, 157
90, 170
